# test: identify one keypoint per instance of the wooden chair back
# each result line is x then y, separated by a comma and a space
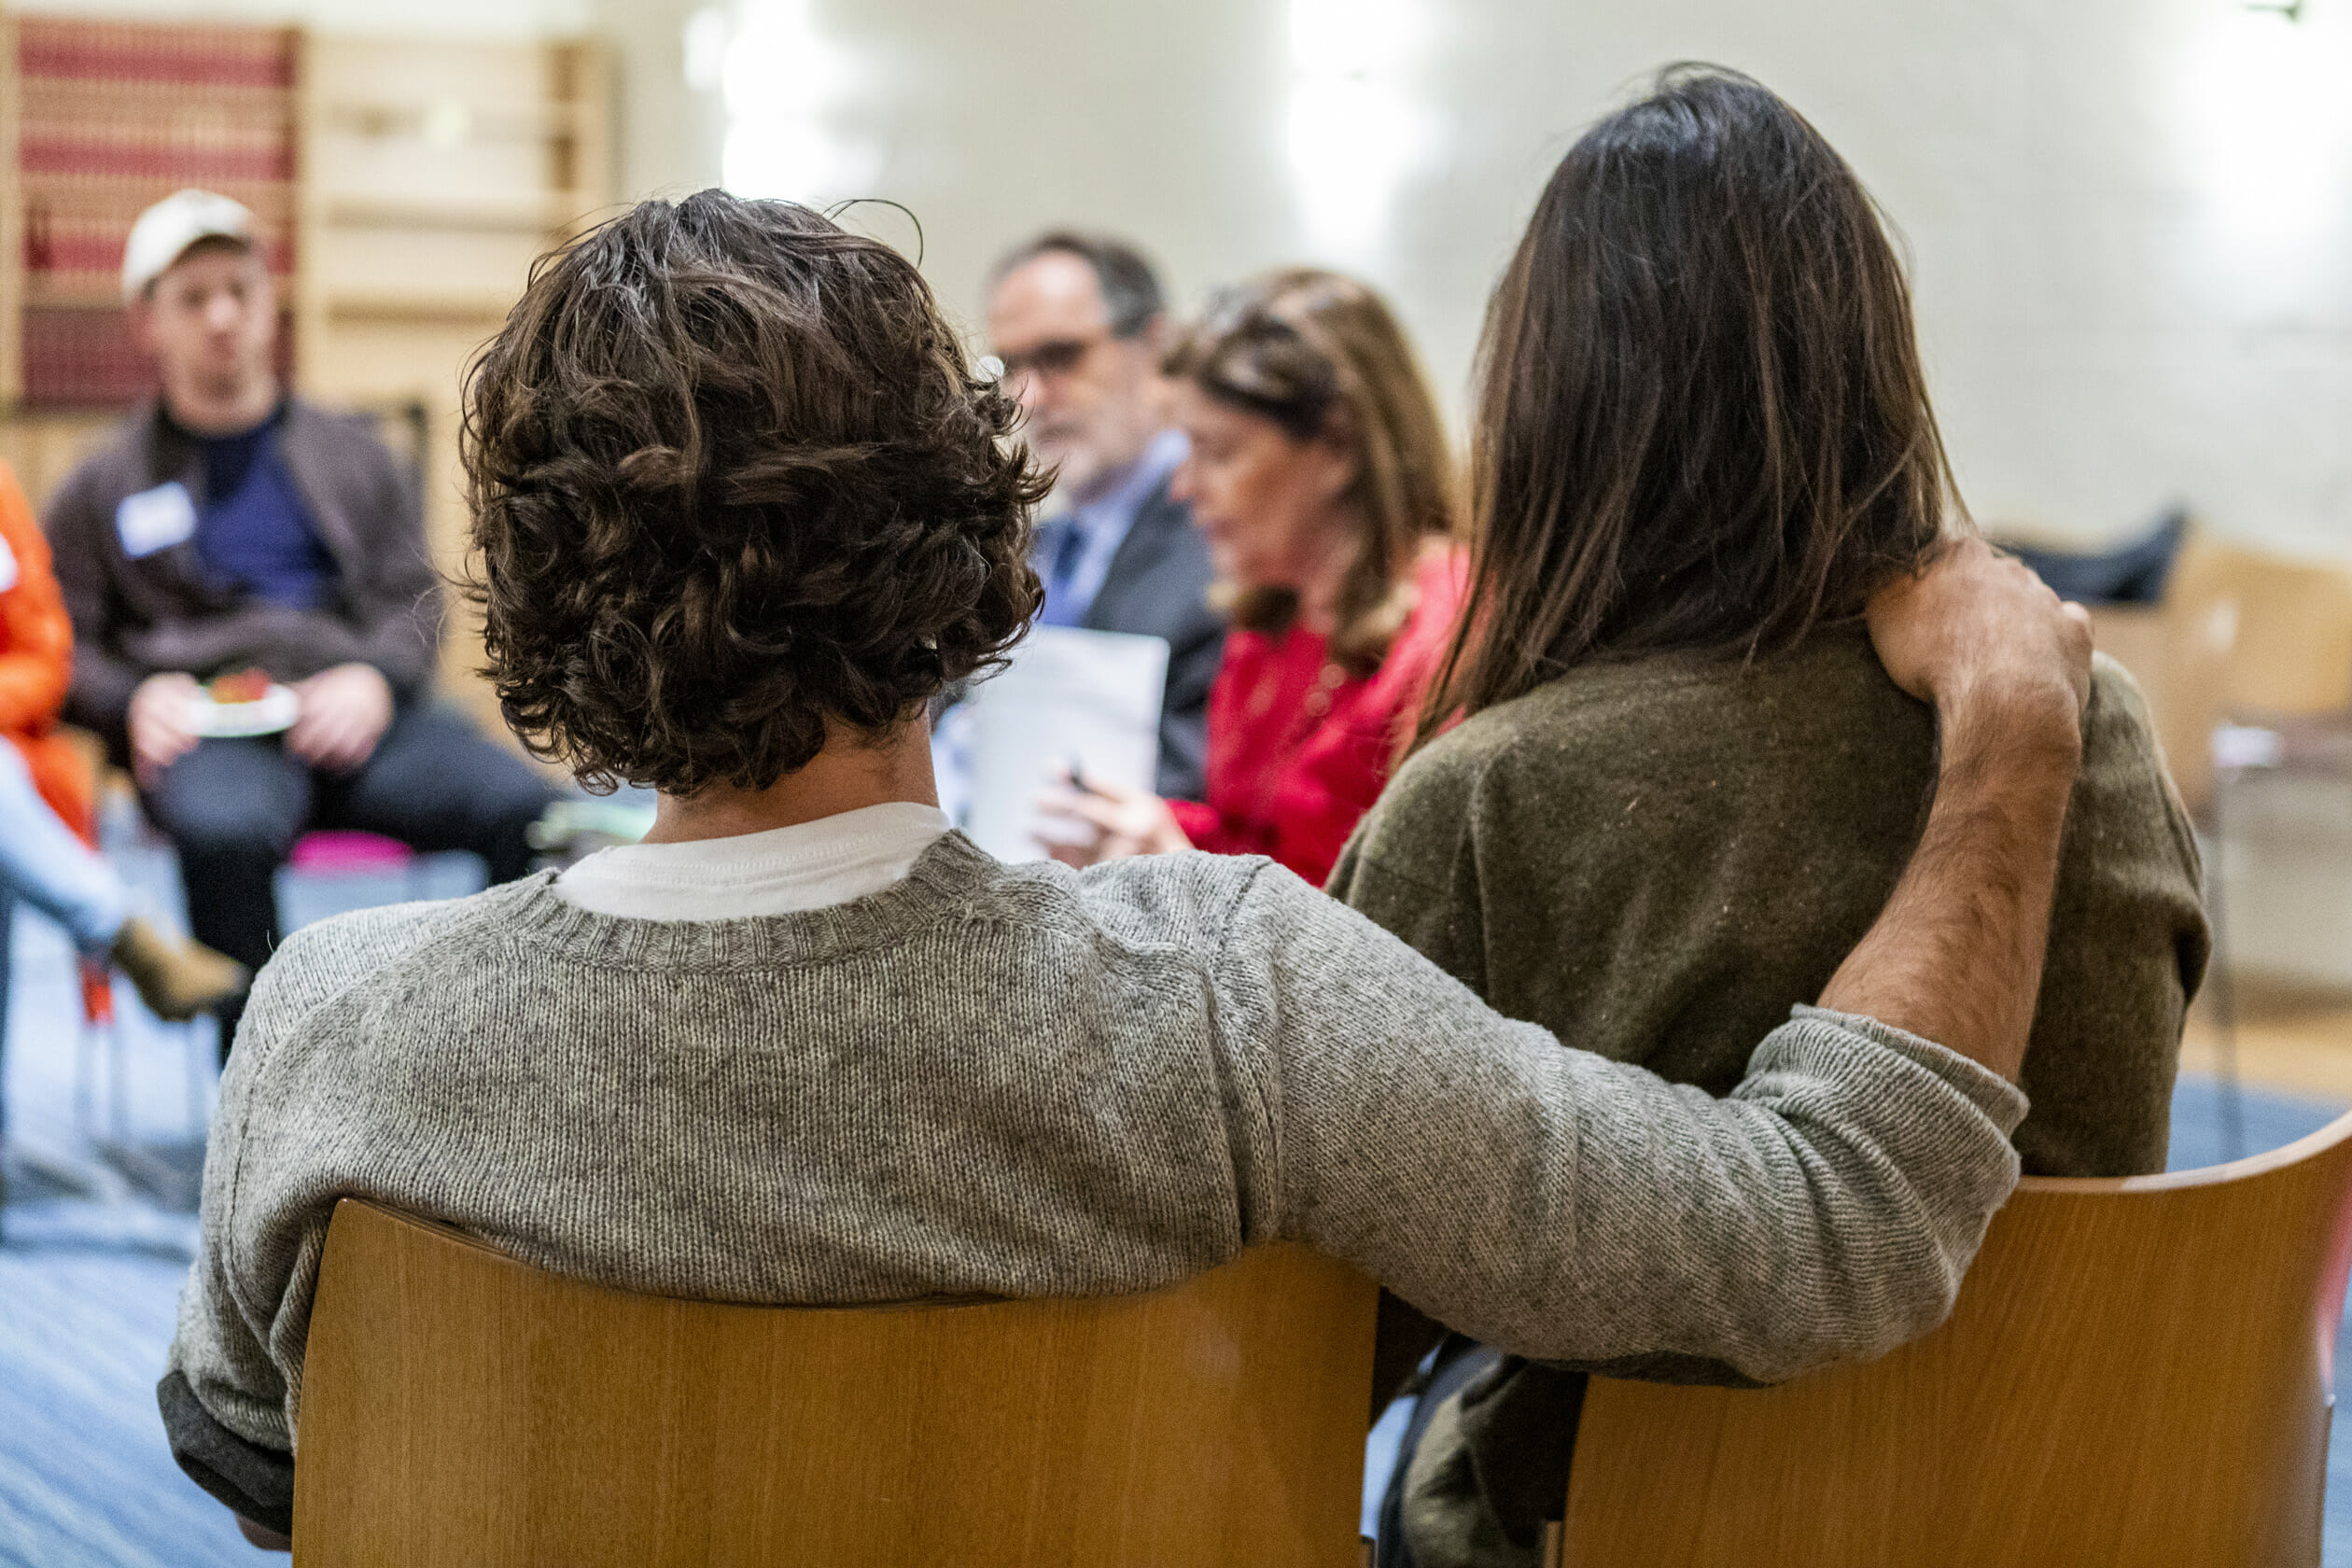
2137, 1372
2241, 635
460, 1408
2180, 674
2281, 626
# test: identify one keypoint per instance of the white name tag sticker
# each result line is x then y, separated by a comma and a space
156, 519
7, 566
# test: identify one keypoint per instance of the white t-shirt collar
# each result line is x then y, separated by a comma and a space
834, 859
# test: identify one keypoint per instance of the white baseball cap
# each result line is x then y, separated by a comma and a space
165, 231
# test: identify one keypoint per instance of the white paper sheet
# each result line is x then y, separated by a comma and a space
1071, 696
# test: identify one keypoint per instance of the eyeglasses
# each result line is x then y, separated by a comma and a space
1055, 357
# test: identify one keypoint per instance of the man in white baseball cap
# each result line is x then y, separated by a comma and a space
230, 529
170, 229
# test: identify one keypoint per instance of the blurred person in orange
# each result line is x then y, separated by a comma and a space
1079, 322
230, 533
1320, 476
47, 831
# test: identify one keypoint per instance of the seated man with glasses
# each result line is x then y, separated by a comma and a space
741, 508
1078, 322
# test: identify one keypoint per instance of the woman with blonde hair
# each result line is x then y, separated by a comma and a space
1320, 473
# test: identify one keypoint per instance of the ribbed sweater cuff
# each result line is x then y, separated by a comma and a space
2002, 1102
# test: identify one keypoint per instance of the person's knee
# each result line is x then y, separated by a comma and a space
231, 800
217, 823
449, 786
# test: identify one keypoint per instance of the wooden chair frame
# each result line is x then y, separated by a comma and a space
462, 1407
2137, 1372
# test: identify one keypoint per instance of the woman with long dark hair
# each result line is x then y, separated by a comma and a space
1682, 784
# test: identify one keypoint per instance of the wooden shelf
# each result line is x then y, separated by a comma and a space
508, 121
90, 291
73, 195
78, 97
533, 214
421, 305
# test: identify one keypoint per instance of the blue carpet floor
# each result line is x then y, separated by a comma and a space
91, 1263
84, 1476
91, 1272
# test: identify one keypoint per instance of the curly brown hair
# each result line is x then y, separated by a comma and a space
734, 487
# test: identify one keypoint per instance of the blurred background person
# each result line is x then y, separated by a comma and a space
230, 528
46, 857
1320, 476
1079, 323
1685, 784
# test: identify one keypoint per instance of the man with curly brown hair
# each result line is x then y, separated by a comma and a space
741, 508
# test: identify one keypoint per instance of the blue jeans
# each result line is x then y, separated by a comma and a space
8, 974
45, 865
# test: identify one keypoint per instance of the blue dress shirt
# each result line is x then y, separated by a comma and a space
1074, 550
254, 527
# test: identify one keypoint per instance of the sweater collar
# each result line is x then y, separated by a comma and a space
946, 877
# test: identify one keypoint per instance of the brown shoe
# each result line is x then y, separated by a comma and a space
177, 978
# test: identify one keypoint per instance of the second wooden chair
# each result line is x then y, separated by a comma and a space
2138, 1372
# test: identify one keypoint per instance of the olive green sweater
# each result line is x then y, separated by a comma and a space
1657, 858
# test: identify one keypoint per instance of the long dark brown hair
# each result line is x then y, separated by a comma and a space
1702, 421
1317, 352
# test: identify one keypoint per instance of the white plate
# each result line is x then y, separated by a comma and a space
275, 710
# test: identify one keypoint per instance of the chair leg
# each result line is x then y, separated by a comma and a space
2220, 987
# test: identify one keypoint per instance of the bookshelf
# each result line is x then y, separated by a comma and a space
11, 225
438, 174
434, 174
403, 187
109, 118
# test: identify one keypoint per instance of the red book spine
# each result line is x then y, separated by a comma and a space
115, 116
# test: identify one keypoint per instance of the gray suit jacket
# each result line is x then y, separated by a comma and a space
1158, 586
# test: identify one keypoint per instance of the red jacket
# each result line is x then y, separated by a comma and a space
1297, 750
36, 661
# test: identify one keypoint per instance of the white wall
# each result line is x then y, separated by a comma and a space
2131, 220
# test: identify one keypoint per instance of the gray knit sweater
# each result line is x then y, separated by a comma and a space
1024, 1081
